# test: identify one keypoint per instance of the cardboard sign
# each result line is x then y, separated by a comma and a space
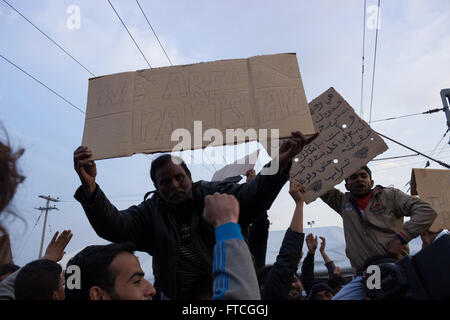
137, 112
237, 168
433, 186
345, 144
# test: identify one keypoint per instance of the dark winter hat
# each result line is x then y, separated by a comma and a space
317, 287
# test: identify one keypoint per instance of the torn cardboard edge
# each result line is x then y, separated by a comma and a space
433, 187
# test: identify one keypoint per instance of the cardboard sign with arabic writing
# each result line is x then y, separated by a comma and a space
345, 144
137, 112
433, 186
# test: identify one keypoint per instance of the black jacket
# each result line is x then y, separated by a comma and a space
152, 226
280, 278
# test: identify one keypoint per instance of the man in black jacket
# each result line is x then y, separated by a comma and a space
169, 226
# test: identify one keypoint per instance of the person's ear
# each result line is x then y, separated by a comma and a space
97, 293
346, 186
371, 184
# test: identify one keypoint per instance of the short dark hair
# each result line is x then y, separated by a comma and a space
317, 287
37, 280
366, 168
94, 263
161, 161
8, 268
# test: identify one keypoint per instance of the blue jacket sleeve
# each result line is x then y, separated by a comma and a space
233, 270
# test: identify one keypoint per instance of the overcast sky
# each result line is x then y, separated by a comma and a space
411, 69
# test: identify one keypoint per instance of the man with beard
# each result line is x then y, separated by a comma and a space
169, 225
373, 223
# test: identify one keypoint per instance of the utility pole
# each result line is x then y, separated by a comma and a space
445, 96
47, 208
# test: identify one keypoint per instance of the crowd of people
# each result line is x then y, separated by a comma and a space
208, 240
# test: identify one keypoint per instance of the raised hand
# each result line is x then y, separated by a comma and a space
296, 191
220, 209
86, 169
322, 244
55, 249
311, 243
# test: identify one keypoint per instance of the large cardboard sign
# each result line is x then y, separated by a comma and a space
237, 168
345, 144
137, 112
433, 186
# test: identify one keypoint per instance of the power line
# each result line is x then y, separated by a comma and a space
401, 144
396, 157
129, 33
48, 37
400, 166
362, 68
437, 145
29, 236
140, 7
167, 56
374, 62
443, 147
42, 84
410, 115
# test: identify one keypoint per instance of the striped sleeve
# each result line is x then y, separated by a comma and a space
233, 269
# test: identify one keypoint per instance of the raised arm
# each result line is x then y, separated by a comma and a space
328, 262
280, 278
422, 217
233, 270
86, 169
296, 191
308, 263
108, 222
334, 199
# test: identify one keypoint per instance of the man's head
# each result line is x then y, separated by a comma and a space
40, 280
296, 289
321, 291
109, 272
6, 269
360, 183
172, 181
